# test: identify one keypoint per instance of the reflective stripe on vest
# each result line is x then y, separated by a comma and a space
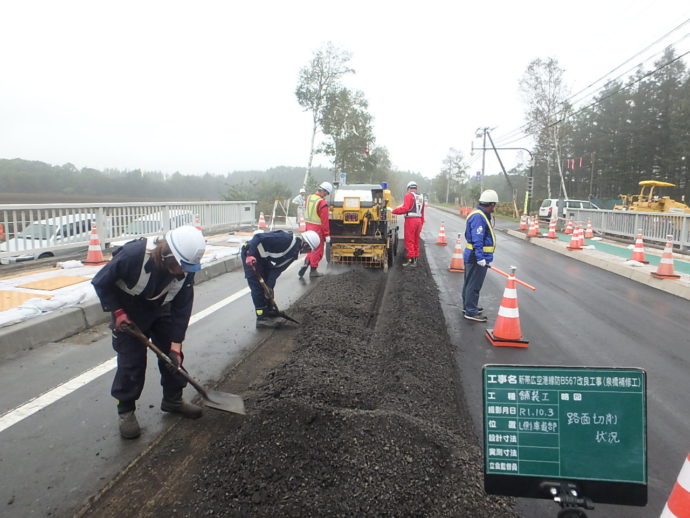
416, 212
276, 255
169, 291
487, 249
311, 215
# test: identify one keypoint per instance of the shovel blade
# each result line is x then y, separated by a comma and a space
225, 401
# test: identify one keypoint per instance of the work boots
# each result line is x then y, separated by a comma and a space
411, 261
303, 269
314, 273
267, 319
175, 404
129, 426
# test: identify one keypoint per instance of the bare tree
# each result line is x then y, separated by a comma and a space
318, 79
454, 168
547, 109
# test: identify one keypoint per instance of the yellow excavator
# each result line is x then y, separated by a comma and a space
363, 229
648, 201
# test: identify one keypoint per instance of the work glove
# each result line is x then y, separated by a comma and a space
120, 319
250, 260
176, 358
482, 263
328, 239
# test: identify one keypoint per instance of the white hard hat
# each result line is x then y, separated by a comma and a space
302, 189
326, 187
412, 185
312, 239
187, 244
488, 196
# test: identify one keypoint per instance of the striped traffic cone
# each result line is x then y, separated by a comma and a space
569, 227
302, 223
94, 257
457, 264
506, 331
582, 235
638, 251
442, 236
523, 222
665, 269
262, 220
197, 222
552, 229
589, 233
575, 241
678, 503
533, 228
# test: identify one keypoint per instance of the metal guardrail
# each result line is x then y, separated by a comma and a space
655, 226
33, 231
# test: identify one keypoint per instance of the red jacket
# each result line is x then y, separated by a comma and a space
409, 205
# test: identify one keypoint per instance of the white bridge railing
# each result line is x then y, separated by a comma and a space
656, 226
33, 231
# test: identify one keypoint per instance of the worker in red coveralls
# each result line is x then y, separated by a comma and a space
413, 209
316, 218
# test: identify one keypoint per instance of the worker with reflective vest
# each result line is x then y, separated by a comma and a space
154, 290
316, 219
269, 254
478, 254
413, 209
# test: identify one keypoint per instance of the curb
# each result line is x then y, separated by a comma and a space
60, 324
634, 274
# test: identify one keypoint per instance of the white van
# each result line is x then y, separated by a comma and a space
48, 237
551, 207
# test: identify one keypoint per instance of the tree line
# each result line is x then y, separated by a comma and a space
635, 128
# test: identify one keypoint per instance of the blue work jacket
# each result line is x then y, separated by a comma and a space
480, 237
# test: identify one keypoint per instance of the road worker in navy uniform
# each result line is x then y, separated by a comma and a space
316, 219
478, 253
413, 209
270, 253
154, 290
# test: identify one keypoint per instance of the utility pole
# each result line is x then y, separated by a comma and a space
481, 178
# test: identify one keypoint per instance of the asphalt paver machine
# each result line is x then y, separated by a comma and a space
363, 228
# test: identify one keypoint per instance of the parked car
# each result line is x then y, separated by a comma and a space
36, 241
552, 206
151, 225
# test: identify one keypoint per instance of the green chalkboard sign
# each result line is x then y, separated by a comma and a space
579, 424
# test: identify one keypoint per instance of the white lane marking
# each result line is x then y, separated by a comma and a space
38, 403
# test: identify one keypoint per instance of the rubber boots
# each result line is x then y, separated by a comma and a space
129, 426
175, 404
314, 273
412, 261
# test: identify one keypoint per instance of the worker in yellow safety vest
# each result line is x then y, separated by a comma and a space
316, 219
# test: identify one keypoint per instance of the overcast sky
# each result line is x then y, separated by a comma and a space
208, 86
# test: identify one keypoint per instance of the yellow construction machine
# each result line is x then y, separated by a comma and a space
650, 202
363, 228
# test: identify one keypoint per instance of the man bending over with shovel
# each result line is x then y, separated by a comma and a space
265, 257
152, 290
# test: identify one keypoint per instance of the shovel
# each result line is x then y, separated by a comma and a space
268, 293
212, 398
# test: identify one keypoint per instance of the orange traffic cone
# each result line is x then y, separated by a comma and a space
569, 227
442, 236
94, 257
582, 235
638, 251
589, 233
262, 220
575, 240
2, 232
533, 228
302, 223
665, 269
678, 503
457, 265
552, 229
523, 222
506, 331
197, 222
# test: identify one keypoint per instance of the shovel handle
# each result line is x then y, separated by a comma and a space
133, 330
516, 280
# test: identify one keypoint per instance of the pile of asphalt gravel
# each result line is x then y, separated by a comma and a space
365, 418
